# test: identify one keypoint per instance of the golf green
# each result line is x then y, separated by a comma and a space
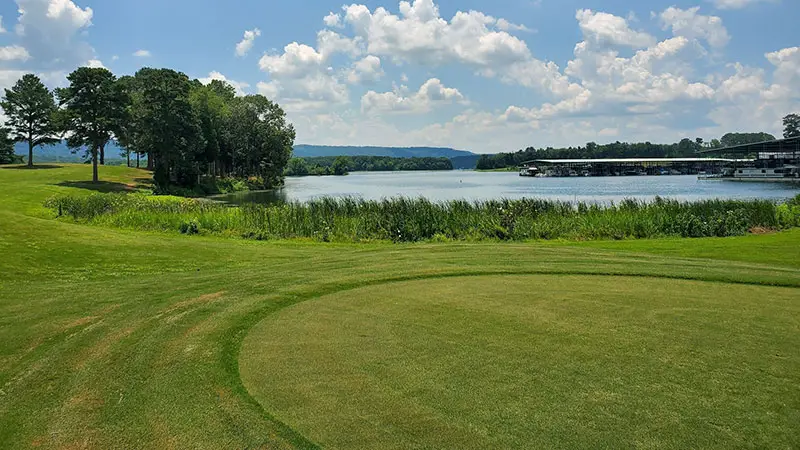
533, 361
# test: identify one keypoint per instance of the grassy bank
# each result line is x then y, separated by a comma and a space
409, 220
120, 338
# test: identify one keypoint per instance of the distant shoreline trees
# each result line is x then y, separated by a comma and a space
326, 165
686, 148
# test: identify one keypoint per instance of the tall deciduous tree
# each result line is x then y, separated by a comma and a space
262, 138
94, 109
791, 126
167, 128
126, 132
30, 108
211, 106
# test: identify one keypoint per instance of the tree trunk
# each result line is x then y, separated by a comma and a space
103, 155
150, 161
128, 158
95, 178
137, 159
30, 153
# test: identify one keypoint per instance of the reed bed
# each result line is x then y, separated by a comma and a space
409, 220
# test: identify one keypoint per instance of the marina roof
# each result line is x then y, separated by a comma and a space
631, 160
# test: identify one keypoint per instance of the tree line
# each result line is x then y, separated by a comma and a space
686, 148
340, 165
187, 130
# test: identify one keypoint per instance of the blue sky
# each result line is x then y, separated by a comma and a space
482, 76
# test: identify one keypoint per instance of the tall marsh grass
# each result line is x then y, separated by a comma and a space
408, 220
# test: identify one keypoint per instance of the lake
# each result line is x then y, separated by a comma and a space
470, 185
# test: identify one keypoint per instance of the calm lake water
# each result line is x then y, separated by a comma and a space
469, 185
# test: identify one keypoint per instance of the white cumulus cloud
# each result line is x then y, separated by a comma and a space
243, 47
688, 23
142, 53
365, 71
14, 53
737, 4
607, 29
95, 63
52, 31
430, 94
333, 20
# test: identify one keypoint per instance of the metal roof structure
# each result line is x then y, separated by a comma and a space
632, 161
787, 145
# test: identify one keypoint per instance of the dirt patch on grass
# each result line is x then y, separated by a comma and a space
102, 348
761, 230
80, 322
89, 319
84, 400
203, 299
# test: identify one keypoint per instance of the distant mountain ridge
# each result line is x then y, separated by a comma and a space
305, 151
61, 153
461, 159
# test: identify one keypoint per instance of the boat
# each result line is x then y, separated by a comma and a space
765, 173
529, 171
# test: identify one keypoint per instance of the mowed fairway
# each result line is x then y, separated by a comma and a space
534, 362
123, 339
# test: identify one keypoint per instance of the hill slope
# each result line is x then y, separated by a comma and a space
461, 159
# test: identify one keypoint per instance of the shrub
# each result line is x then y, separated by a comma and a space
190, 227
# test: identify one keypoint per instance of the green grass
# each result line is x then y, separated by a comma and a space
118, 338
535, 361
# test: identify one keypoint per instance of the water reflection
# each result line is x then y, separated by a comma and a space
261, 197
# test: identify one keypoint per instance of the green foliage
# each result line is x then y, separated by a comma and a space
341, 165
7, 155
297, 167
167, 127
791, 126
408, 220
734, 139
789, 213
382, 163
94, 109
190, 227
187, 130
262, 138
198, 136
30, 110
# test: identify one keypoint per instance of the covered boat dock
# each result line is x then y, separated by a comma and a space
627, 166
774, 160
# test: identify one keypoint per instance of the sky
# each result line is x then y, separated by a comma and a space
485, 76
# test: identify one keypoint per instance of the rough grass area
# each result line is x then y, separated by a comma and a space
413, 220
536, 361
115, 338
